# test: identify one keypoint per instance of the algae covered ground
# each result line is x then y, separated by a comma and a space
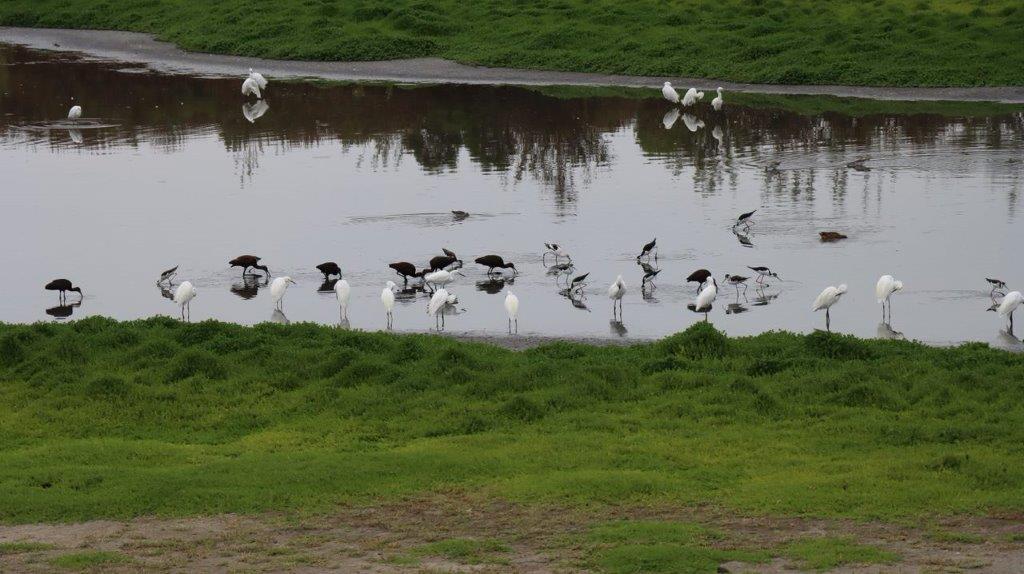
877, 42
100, 418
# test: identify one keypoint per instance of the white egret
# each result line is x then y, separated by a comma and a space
344, 291
886, 286
691, 97
707, 296
277, 288
718, 101
439, 278
250, 87
436, 306
692, 123
670, 93
1011, 301
615, 292
512, 310
387, 297
74, 113
183, 297
258, 78
829, 297
670, 118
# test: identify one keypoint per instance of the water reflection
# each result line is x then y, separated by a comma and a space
279, 317
327, 286
249, 286
885, 331
618, 328
61, 312
254, 111
494, 284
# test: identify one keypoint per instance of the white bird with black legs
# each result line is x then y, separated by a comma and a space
670, 93
512, 310
75, 113
829, 297
251, 88
387, 298
439, 278
886, 286
436, 307
183, 297
615, 292
258, 78
344, 291
1010, 302
277, 289
718, 101
707, 296
692, 97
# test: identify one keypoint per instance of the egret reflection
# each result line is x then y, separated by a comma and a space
279, 317
254, 111
692, 123
76, 136
670, 118
885, 331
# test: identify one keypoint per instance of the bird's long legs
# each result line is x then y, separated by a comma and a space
828, 321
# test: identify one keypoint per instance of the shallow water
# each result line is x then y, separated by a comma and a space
169, 170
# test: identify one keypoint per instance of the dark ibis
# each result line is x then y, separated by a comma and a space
492, 262
329, 268
442, 262
700, 277
459, 214
830, 236
62, 286
405, 270
248, 261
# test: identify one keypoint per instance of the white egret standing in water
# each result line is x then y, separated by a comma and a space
277, 288
439, 278
615, 292
670, 93
829, 297
706, 297
250, 87
183, 297
1011, 301
387, 297
512, 310
343, 290
886, 286
436, 306
258, 78
74, 113
718, 101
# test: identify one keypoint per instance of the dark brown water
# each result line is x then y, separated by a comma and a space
169, 170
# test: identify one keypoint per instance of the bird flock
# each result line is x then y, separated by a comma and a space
444, 269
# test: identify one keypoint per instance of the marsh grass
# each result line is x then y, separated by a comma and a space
880, 42
100, 418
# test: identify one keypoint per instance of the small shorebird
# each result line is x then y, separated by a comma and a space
744, 219
763, 272
167, 275
736, 281
997, 285
648, 249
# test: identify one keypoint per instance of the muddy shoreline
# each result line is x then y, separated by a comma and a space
165, 57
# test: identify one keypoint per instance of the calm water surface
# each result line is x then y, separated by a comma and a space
169, 170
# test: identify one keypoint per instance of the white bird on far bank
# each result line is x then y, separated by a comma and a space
344, 291
670, 93
387, 297
277, 289
74, 113
718, 101
829, 297
183, 297
251, 87
258, 78
692, 97
512, 310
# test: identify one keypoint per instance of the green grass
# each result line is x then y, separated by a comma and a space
7, 548
465, 550
828, 553
877, 42
89, 560
100, 418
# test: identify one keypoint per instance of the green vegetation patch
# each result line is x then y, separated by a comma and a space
828, 553
107, 419
465, 550
88, 560
882, 42
7, 548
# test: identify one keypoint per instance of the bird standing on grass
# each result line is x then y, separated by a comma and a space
829, 297
512, 310
277, 289
615, 292
183, 297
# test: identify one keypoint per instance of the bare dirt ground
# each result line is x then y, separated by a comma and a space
536, 539
143, 48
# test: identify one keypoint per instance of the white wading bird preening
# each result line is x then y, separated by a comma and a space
615, 292
670, 93
277, 288
74, 113
512, 310
436, 306
258, 78
705, 298
829, 297
344, 291
387, 297
1011, 301
886, 286
692, 97
251, 87
718, 101
183, 297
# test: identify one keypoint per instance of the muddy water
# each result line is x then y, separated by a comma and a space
171, 170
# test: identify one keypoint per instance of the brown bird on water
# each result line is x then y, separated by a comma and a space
247, 261
406, 270
829, 236
495, 261
63, 286
699, 276
328, 269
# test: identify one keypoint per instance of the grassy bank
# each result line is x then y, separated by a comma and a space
882, 42
107, 419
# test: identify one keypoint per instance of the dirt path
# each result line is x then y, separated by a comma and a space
163, 56
430, 535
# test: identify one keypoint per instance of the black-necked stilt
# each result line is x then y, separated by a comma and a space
736, 281
648, 249
329, 268
578, 282
405, 270
167, 275
492, 262
248, 261
763, 272
556, 250
62, 286
826, 299
858, 164
700, 277
744, 219
650, 272
997, 285
829, 236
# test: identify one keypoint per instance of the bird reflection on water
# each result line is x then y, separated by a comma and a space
61, 312
494, 285
279, 317
327, 286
